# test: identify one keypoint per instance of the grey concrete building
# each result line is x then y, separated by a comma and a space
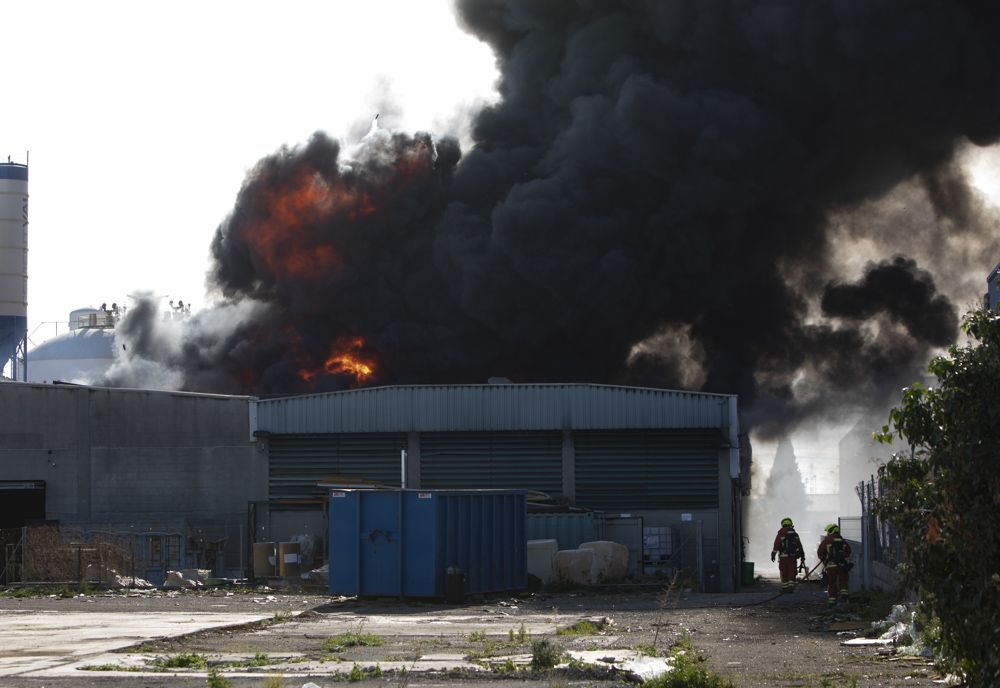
176, 470
651, 460
131, 461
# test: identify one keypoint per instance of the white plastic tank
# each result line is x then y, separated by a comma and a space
13, 260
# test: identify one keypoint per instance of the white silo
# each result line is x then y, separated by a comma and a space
13, 267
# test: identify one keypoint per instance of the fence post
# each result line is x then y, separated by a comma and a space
25, 569
699, 556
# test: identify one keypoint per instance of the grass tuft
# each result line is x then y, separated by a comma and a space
580, 628
343, 641
185, 660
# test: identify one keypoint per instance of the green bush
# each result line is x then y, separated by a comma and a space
943, 496
544, 655
217, 680
260, 659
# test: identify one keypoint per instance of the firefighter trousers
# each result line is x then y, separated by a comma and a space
836, 582
787, 567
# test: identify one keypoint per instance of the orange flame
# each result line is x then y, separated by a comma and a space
279, 239
344, 359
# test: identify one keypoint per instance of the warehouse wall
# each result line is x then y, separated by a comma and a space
138, 458
669, 477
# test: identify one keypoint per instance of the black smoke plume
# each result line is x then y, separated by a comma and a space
648, 203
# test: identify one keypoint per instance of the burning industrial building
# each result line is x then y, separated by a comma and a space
664, 193
761, 203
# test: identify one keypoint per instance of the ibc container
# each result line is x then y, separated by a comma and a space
402, 542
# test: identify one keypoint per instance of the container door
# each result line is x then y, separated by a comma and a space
344, 544
379, 549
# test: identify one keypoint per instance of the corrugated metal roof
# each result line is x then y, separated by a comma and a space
501, 407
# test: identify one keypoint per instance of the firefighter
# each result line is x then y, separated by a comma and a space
788, 548
835, 553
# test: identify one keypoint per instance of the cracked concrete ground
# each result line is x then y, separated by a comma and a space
753, 638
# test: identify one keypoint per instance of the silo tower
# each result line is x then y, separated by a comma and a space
13, 268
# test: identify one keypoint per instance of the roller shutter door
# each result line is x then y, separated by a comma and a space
298, 462
455, 460
647, 469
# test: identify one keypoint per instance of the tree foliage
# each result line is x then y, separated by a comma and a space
943, 496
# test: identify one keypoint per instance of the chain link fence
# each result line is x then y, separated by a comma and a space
53, 554
881, 547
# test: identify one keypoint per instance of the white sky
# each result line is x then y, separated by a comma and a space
142, 119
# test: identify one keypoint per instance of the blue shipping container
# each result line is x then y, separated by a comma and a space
402, 542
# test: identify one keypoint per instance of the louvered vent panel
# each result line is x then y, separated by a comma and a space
628, 470
459, 460
298, 462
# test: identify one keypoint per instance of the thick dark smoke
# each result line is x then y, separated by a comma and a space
655, 175
903, 292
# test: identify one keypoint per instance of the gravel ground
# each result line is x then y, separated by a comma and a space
755, 638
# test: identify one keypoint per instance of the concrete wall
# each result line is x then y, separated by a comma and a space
145, 460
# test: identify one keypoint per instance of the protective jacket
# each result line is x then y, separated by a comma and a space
789, 546
833, 551
787, 543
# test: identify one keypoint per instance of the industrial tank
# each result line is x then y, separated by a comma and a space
13, 265
82, 355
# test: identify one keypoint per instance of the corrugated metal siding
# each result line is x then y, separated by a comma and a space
631, 470
523, 460
456, 408
569, 530
298, 462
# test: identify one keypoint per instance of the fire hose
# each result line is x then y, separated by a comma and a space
764, 601
782, 592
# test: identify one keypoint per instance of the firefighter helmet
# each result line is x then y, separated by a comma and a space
832, 528
786, 522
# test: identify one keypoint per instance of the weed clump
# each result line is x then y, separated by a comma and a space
185, 660
687, 671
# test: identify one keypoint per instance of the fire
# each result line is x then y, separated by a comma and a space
345, 358
346, 363
281, 238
